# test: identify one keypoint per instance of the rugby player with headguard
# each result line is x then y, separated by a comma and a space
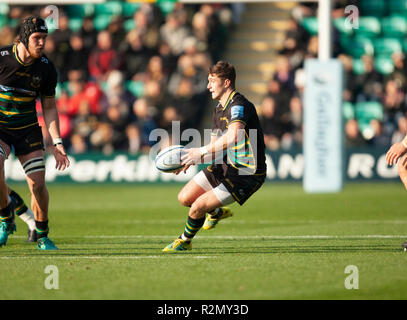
25, 75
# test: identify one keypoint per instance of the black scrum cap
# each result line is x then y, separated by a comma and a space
29, 26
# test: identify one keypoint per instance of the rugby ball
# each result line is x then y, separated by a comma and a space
169, 159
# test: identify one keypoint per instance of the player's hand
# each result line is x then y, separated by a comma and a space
183, 169
192, 156
61, 158
394, 153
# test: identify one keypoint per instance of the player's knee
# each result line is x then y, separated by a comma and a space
38, 186
198, 208
184, 199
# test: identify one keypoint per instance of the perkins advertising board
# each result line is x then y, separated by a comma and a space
359, 165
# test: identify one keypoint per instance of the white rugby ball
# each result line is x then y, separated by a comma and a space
169, 159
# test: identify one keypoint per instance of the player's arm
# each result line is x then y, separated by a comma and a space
52, 123
217, 144
396, 151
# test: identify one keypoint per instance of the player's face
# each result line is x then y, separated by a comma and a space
36, 44
216, 87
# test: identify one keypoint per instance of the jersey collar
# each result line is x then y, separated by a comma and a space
18, 59
229, 100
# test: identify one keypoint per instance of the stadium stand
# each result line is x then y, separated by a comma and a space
126, 68
373, 55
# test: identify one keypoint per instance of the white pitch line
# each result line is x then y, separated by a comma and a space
70, 257
253, 237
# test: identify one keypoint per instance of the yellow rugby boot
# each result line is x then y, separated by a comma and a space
212, 220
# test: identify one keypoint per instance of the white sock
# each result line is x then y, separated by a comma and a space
185, 238
28, 218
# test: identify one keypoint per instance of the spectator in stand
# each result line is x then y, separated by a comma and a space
169, 60
189, 107
168, 116
270, 124
174, 32
61, 38
6, 35
116, 30
200, 58
52, 54
187, 69
135, 56
88, 34
104, 58
143, 122
353, 137
133, 139
294, 45
401, 131
147, 22
115, 86
281, 97
101, 139
85, 91
84, 123
400, 70
78, 55
296, 120
117, 116
201, 31
155, 95
284, 75
155, 71
394, 104
349, 77
216, 34
368, 85
78, 144
380, 137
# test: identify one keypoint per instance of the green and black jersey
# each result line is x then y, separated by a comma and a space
20, 85
247, 156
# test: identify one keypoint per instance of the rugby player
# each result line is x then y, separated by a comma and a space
25, 75
238, 137
398, 151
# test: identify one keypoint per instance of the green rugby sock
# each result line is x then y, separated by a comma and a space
192, 226
20, 206
6, 214
41, 227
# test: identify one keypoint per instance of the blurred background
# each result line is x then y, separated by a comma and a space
127, 68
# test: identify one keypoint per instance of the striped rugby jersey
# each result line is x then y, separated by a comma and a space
247, 155
20, 85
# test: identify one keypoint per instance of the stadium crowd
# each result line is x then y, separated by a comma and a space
282, 106
116, 85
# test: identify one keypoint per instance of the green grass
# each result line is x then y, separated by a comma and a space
282, 244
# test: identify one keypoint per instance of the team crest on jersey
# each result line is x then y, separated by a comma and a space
237, 112
35, 82
45, 60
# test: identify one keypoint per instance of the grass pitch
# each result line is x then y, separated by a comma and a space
282, 244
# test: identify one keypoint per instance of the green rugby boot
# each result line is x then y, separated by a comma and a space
178, 245
46, 243
211, 222
6, 228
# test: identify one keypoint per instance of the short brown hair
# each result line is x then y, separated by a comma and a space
224, 70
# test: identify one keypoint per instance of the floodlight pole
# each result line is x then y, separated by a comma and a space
325, 29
